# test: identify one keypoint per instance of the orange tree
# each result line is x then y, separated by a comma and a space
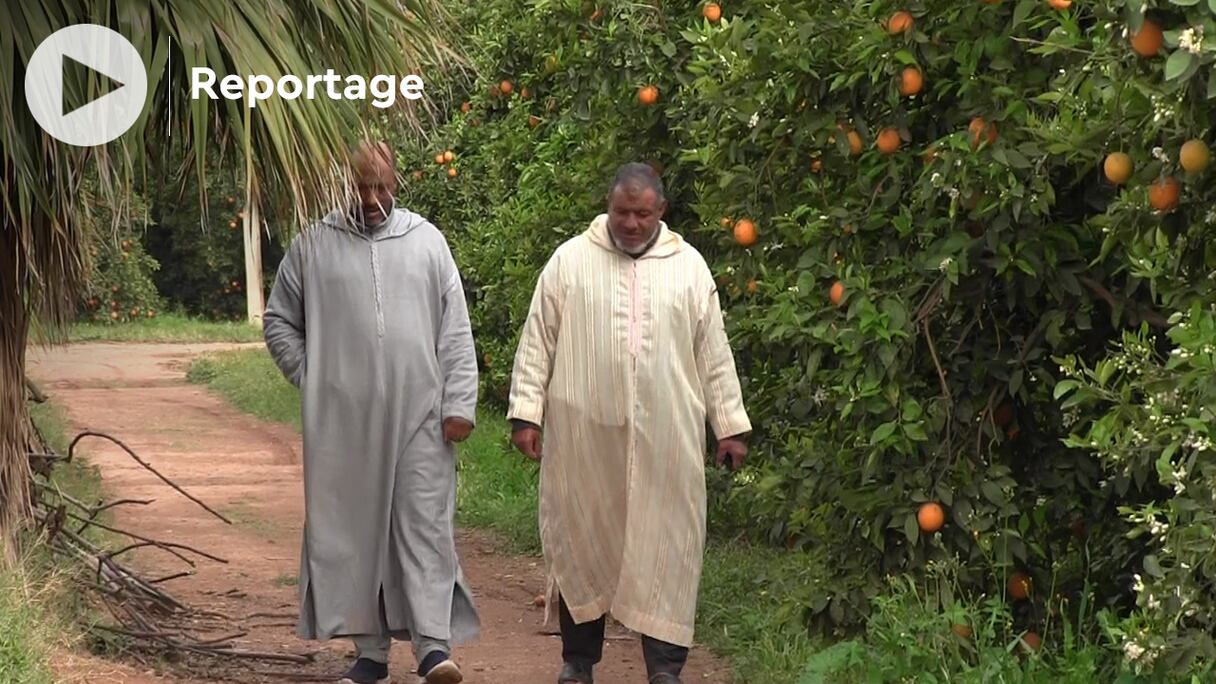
937, 230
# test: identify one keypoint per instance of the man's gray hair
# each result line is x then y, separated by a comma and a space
637, 176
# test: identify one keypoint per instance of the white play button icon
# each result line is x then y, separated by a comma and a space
119, 87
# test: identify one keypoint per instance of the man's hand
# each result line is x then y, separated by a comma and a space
731, 453
456, 429
527, 440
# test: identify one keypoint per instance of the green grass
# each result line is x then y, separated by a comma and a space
249, 380
742, 614
165, 328
39, 611
79, 478
29, 625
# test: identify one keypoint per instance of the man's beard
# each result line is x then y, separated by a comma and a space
641, 248
360, 219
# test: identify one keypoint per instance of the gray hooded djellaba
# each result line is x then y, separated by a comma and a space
373, 328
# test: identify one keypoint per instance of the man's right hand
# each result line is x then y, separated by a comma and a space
527, 440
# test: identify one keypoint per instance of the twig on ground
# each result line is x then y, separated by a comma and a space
146, 465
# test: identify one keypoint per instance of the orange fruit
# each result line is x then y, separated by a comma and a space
1031, 641
448, 156
1194, 156
930, 155
525, 94
1163, 195
752, 286
725, 222
1148, 41
231, 199
911, 80
452, 172
232, 225
505, 87
466, 107
899, 22
114, 315
439, 159
931, 517
534, 121
836, 293
816, 165
888, 141
1018, 586
1060, 4
417, 175
979, 129
648, 95
745, 232
712, 12
854, 143
963, 631
1117, 167
595, 16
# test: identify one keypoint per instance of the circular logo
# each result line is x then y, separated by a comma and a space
100, 59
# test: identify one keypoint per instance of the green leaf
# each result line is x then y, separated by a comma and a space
1185, 3
992, 492
669, 49
882, 432
916, 432
911, 528
905, 57
1178, 64
944, 493
894, 309
1064, 387
1024, 8
1153, 566
1015, 381
1212, 76
911, 410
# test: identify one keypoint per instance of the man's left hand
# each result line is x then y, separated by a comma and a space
731, 452
456, 429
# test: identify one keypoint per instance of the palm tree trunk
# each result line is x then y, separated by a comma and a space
14, 429
255, 302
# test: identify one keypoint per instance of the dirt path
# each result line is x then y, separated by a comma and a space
250, 471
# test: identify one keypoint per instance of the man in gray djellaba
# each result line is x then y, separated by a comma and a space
368, 318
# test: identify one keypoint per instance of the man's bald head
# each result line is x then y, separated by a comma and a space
375, 178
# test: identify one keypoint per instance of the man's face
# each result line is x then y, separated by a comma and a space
633, 216
375, 184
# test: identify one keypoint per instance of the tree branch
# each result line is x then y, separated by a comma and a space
1143, 312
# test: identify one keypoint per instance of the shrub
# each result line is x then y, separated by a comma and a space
963, 265
204, 250
120, 286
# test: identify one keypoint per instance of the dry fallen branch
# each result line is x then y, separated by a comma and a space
146, 465
154, 620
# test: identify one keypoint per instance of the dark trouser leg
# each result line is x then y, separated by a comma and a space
662, 657
582, 645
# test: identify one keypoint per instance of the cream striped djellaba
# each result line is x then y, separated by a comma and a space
623, 361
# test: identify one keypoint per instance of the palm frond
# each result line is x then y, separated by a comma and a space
296, 149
